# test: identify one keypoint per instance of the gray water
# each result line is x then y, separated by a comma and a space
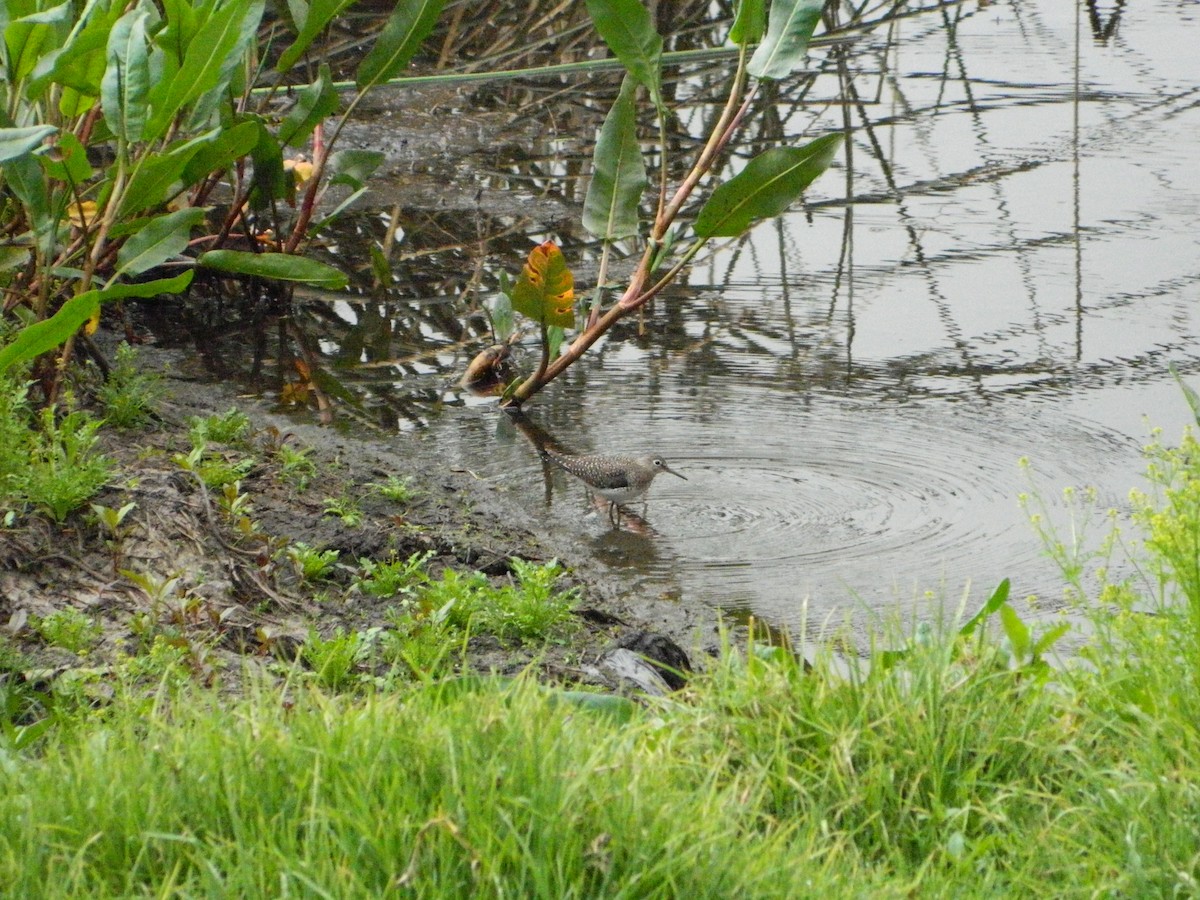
1002, 267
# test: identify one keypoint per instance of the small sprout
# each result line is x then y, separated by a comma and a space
387, 579
295, 465
311, 563
128, 395
231, 427
110, 519
344, 508
396, 489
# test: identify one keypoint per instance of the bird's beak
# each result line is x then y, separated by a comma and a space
673, 472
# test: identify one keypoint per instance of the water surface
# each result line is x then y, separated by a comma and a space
1002, 266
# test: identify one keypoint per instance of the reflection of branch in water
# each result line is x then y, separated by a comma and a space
1102, 32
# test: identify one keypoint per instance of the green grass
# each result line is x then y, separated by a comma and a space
960, 766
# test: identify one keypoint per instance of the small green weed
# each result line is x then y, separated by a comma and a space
422, 644
215, 470
129, 395
311, 563
532, 608
11, 657
231, 427
164, 662
64, 469
335, 659
344, 508
69, 629
45, 462
529, 610
295, 465
396, 489
387, 579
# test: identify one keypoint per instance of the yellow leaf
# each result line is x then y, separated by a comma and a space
545, 292
82, 214
301, 170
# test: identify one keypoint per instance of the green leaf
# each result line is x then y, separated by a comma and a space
23, 176
206, 61
79, 63
663, 251
999, 598
13, 256
160, 176
610, 209
1050, 638
228, 144
626, 26
40, 337
176, 285
163, 238
329, 218
789, 28
67, 161
16, 142
231, 74
749, 22
281, 266
500, 312
353, 167
555, 335
545, 292
126, 82
25, 37
270, 181
409, 25
310, 20
1016, 631
768, 185
1189, 393
313, 104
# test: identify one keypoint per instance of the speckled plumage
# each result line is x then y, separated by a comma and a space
618, 479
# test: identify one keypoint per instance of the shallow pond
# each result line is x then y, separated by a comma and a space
1003, 266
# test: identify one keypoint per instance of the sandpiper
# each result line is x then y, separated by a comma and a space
618, 479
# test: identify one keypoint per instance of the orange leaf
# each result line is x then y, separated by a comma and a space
546, 289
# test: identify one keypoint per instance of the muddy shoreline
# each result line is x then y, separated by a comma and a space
233, 602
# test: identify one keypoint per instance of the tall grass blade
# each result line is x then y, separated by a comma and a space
1189, 392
